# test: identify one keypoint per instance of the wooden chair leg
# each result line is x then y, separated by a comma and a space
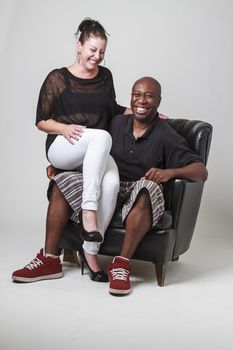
160, 273
175, 259
70, 256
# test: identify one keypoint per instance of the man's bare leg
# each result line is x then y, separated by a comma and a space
58, 215
138, 223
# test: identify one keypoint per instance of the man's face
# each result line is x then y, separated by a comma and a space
145, 99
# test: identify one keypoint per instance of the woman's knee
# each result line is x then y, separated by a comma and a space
101, 136
106, 138
104, 134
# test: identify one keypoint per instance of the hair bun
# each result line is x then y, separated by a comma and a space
88, 27
86, 24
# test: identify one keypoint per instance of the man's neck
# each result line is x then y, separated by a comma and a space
140, 127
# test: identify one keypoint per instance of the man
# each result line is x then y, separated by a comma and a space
148, 152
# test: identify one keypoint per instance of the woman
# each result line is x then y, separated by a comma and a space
76, 104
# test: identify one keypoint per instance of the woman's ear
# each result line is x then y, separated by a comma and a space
79, 46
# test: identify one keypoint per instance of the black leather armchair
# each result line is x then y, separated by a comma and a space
173, 234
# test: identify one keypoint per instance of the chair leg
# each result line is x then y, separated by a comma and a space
175, 259
160, 273
70, 256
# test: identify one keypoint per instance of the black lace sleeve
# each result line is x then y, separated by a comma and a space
46, 98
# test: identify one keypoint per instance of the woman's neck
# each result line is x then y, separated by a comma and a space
78, 70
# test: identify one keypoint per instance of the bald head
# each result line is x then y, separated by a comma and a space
155, 85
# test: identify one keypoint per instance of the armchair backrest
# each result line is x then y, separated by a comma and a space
197, 133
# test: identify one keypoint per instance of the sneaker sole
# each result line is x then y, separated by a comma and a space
119, 291
35, 279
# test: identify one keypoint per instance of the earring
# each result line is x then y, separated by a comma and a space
78, 56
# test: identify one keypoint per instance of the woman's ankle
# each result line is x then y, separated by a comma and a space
89, 219
92, 261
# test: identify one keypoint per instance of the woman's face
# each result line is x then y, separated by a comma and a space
91, 52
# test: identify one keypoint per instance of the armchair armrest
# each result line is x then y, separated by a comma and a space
183, 198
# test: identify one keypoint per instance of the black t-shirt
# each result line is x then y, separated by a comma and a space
159, 147
71, 100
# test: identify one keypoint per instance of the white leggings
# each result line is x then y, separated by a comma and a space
91, 151
106, 204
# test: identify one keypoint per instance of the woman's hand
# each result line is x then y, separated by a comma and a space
72, 132
51, 172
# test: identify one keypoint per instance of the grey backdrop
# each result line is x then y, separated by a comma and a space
185, 44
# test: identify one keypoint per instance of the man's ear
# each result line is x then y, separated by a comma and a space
159, 100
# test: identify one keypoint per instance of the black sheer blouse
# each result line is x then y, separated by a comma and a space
72, 100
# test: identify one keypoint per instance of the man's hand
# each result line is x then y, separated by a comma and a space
51, 172
159, 175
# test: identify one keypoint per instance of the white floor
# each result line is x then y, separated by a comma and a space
194, 311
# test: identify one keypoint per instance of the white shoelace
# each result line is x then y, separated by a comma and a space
34, 264
120, 274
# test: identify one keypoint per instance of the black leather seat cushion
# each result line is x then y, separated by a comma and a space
164, 223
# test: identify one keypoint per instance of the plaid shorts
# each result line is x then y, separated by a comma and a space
129, 191
70, 184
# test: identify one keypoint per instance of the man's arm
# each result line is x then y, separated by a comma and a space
194, 172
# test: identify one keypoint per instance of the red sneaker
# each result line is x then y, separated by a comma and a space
119, 271
40, 268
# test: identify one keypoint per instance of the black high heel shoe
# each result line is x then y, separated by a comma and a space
93, 236
99, 276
